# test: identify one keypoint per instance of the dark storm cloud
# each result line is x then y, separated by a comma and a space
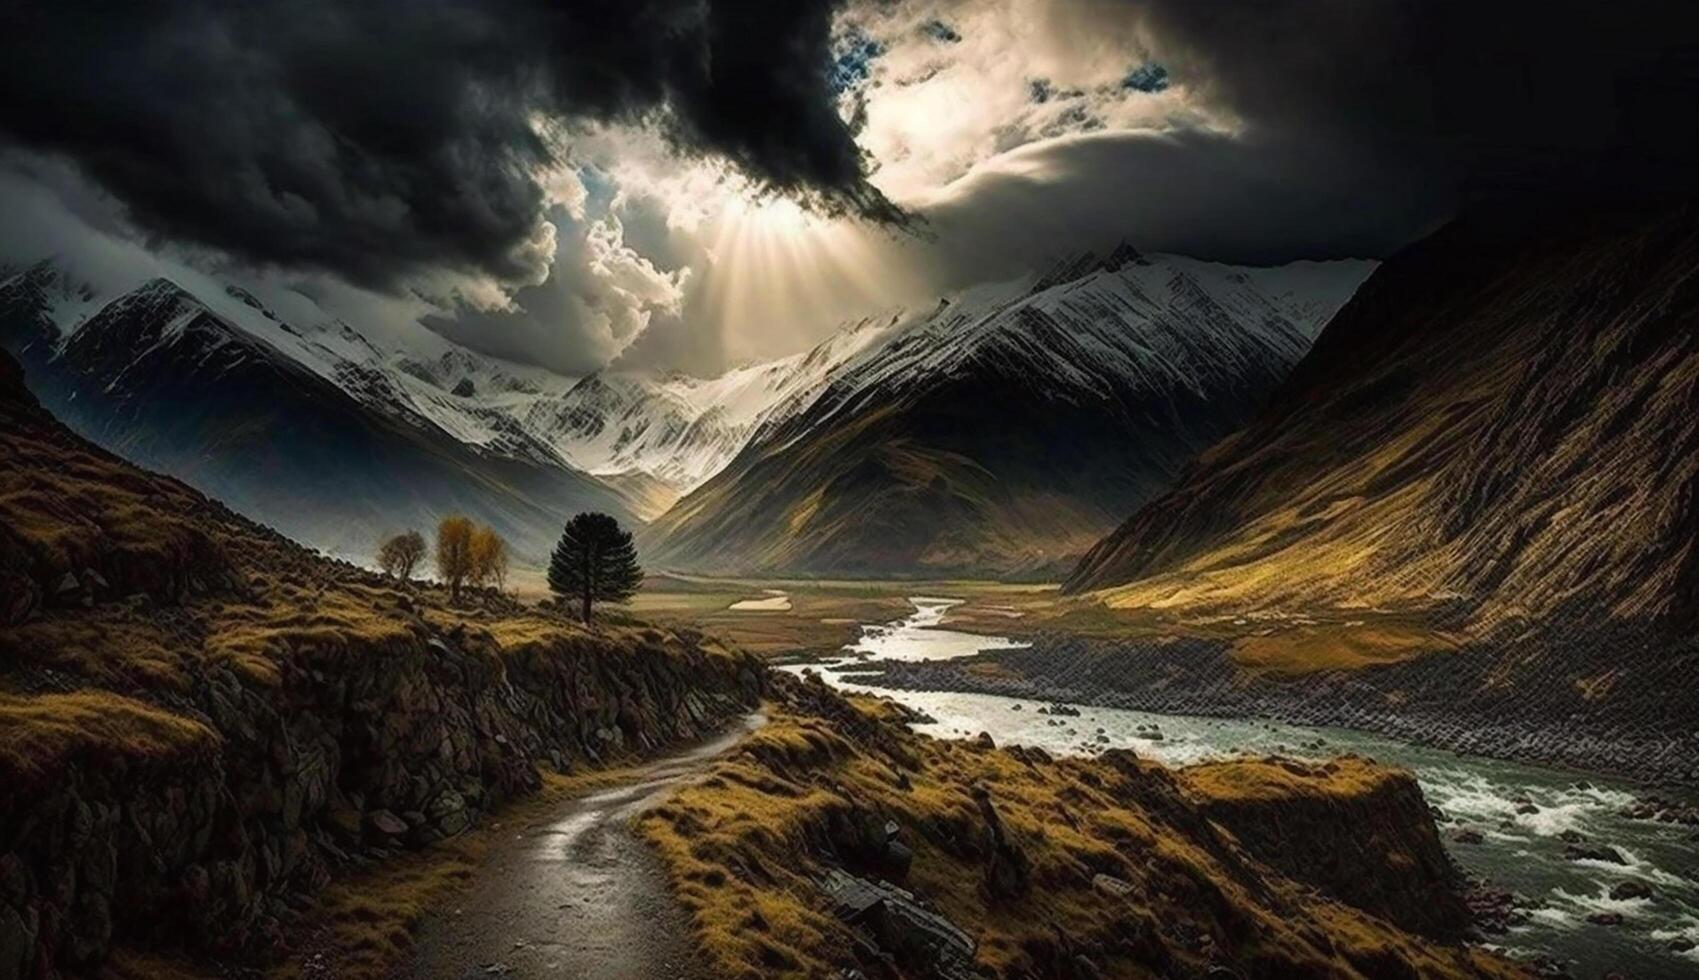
1192, 193
1554, 95
1355, 128
380, 138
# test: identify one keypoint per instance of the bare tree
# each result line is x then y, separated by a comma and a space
400, 554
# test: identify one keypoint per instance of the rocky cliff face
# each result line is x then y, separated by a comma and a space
200, 721
276, 787
1323, 824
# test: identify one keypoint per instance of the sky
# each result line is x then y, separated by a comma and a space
694, 184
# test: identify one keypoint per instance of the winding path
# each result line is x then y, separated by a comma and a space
576, 896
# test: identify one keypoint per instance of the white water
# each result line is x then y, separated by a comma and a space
919, 638
1520, 851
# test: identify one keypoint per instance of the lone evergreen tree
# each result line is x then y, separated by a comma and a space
594, 562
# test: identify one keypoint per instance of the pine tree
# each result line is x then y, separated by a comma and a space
595, 561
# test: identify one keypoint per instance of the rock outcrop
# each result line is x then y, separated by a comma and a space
1326, 824
1035, 866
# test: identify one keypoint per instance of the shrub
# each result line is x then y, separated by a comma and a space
400, 554
489, 558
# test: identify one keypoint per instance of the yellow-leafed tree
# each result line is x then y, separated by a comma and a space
489, 558
454, 552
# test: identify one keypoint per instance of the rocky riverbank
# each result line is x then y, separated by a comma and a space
1442, 700
837, 841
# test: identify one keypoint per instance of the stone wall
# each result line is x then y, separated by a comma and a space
348, 755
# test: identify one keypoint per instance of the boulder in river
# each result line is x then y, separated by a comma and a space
1589, 852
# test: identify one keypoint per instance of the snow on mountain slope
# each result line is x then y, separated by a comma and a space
268, 418
1090, 326
681, 430
1308, 292
1005, 429
655, 437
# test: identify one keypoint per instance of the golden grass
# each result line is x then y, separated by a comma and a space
89, 508
745, 847
1285, 779
1303, 649
132, 964
44, 734
362, 926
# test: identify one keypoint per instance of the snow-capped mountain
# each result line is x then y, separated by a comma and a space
1123, 346
307, 429
645, 439
1006, 428
678, 429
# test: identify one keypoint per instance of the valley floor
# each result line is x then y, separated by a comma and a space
1524, 829
1402, 674
821, 616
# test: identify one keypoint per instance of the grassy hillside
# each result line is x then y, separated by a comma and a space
1500, 426
202, 723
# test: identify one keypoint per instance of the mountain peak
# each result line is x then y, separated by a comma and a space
1123, 255
1087, 262
162, 286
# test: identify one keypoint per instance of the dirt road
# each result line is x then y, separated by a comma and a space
575, 895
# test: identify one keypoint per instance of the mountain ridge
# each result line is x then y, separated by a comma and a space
158, 375
1161, 349
1501, 420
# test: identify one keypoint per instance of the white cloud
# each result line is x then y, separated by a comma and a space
1021, 72
626, 289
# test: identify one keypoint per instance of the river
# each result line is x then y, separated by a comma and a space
1522, 813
